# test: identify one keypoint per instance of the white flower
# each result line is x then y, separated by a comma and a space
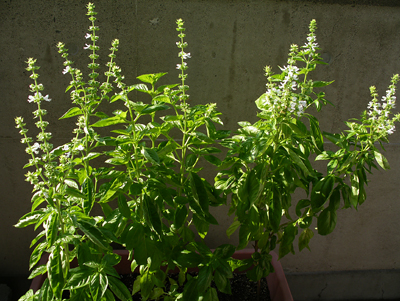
46, 98
181, 66
31, 98
35, 148
391, 130
87, 36
66, 70
184, 55
87, 46
79, 147
65, 147
294, 85
311, 39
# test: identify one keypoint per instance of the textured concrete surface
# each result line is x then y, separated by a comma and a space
5, 292
230, 42
345, 285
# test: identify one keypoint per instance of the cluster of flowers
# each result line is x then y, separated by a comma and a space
379, 112
282, 98
184, 56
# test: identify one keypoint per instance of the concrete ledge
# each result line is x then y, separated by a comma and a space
355, 2
345, 285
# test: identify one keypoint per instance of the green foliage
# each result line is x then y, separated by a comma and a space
144, 175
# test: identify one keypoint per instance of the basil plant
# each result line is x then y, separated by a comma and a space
139, 165
269, 160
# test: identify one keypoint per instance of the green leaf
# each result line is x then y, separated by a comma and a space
29, 219
203, 137
204, 278
249, 190
275, 211
93, 233
151, 214
326, 221
334, 138
116, 97
224, 251
190, 160
321, 192
304, 239
316, 135
201, 226
37, 253
355, 190
156, 293
213, 160
75, 111
71, 183
95, 287
296, 159
88, 191
180, 216
146, 285
119, 289
167, 149
79, 277
334, 200
211, 295
153, 108
303, 203
199, 192
139, 87
318, 84
40, 270
190, 259
162, 98
244, 236
136, 285
90, 156
109, 296
74, 192
261, 102
151, 78
123, 206
205, 150
109, 121
52, 229
232, 228
187, 234
55, 272
288, 237
151, 155
222, 282
382, 161
46, 292
37, 199
190, 291
115, 186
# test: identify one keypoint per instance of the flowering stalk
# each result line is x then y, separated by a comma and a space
183, 96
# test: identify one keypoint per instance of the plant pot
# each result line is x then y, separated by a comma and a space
277, 283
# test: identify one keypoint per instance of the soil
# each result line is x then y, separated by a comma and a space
242, 288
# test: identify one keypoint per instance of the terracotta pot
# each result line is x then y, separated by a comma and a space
277, 283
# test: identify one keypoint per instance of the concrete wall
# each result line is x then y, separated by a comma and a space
230, 42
